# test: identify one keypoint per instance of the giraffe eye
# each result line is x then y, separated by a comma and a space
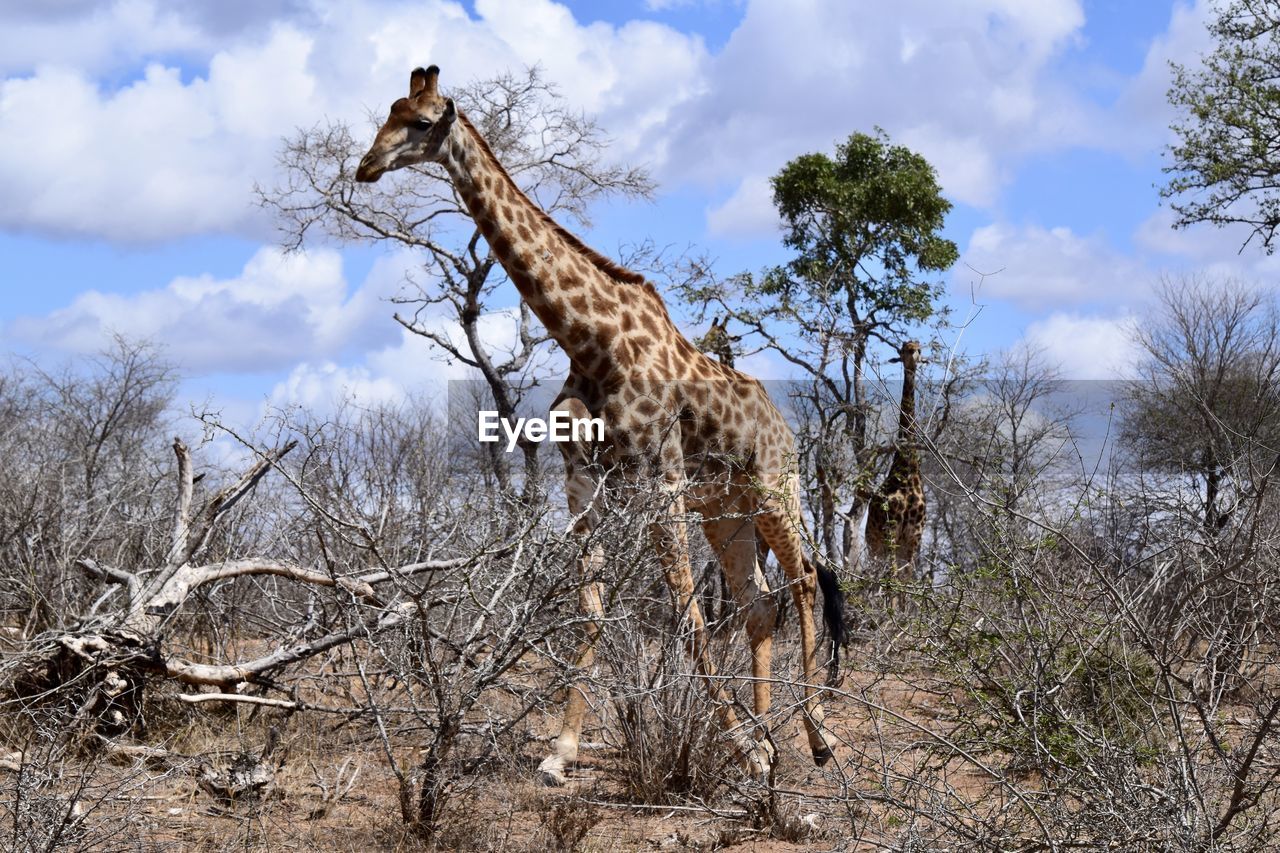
422, 123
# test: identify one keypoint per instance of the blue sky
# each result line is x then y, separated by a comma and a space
131, 134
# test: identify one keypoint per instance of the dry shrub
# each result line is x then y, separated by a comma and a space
54, 799
568, 821
663, 721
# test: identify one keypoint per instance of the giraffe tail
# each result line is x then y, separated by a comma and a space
833, 616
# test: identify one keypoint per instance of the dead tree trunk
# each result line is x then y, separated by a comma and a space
103, 665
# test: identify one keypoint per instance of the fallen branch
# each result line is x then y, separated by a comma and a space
197, 698
228, 674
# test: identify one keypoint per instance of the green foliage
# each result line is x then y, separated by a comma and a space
1049, 693
864, 221
865, 225
1226, 163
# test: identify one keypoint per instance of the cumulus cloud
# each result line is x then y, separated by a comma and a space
966, 165
91, 35
770, 95
157, 158
1141, 115
1036, 268
279, 309
1216, 252
96, 142
105, 37
323, 386
176, 153
1085, 347
409, 366
748, 212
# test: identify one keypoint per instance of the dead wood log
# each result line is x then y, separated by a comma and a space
110, 655
246, 776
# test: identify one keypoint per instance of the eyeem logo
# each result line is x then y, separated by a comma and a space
560, 427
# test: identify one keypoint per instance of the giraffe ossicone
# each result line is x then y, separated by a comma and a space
709, 435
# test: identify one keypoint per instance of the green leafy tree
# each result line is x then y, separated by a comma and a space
1225, 166
865, 226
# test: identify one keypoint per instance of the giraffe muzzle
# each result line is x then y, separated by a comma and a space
368, 171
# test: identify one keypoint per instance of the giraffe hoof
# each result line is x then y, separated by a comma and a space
822, 755
757, 759
551, 772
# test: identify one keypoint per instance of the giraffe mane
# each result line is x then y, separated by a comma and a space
607, 266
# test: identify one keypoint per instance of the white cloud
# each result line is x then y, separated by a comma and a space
1036, 268
174, 150
749, 212
170, 154
1085, 347
767, 367
105, 36
1140, 118
1215, 252
409, 366
321, 387
91, 35
796, 78
279, 309
966, 165
158, 158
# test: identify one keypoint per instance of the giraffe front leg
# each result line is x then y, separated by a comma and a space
564, 751
581, 490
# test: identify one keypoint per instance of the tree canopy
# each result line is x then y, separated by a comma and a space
866, 221
1225, 165
865, 225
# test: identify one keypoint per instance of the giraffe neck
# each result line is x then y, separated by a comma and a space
577, 293
906, 449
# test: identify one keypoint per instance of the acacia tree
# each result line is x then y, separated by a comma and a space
865, 226
555, 154
1225, 166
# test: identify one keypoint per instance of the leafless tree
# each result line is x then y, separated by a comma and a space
1206, 408
1013, 439
79, 472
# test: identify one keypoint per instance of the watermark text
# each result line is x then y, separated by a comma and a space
560, 426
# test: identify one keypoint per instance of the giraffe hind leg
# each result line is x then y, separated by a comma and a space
779, 528
670, 538
734, 542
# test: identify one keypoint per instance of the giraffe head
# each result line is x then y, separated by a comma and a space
908, 355
414, 132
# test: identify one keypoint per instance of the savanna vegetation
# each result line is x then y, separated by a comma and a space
354, 629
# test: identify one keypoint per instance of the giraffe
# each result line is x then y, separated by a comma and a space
669, 412
896, 511
718, 342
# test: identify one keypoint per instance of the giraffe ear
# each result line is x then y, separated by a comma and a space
423, 80
450, 111
895, 360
